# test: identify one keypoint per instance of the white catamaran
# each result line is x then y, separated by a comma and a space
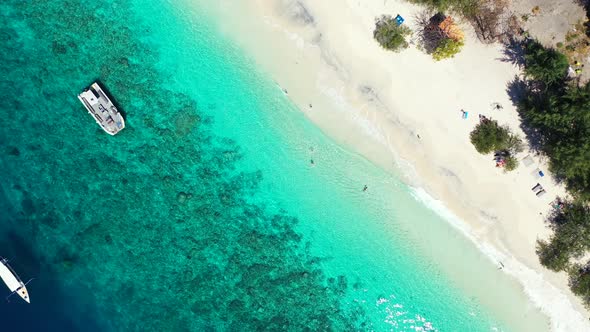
12, 280
102, 109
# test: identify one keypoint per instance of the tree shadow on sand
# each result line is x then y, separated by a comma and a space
513, 52
517, 90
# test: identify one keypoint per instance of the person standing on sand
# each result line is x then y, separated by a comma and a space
465, 114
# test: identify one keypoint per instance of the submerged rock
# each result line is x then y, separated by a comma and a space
14, 151
182, 197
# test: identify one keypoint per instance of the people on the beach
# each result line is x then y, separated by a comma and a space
497, 106
465, 114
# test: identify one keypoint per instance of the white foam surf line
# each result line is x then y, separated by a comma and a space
548, 298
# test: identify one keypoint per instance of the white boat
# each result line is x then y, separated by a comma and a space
102, 109
12, 280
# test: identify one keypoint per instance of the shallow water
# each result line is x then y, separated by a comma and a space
206, 212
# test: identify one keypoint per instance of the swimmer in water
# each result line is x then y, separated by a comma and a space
365, 188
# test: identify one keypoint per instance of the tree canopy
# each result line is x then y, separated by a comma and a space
579, 282
488, 136
544, 64
558, 113
561, 118
447, 48
390, 35
571, 237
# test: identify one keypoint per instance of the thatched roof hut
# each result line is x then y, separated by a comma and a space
451, 29
447, 26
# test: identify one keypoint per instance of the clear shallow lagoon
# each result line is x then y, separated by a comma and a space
205, 213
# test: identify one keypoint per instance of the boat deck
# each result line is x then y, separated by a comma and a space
102, 109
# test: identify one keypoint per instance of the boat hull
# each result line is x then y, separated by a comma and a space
102, 109
24, 294
12, 281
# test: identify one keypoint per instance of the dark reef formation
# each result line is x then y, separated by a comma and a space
157, 226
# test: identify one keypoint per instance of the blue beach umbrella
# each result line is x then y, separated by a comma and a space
399, 20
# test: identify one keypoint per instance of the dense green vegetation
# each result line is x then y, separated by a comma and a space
557, 114
571, 237
569, 243
390, 35
511, 163
447, 49
488, 136
544, 65
580, 282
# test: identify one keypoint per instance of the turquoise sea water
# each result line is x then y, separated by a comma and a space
205, 213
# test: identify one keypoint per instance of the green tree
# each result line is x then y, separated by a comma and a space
390, 35
447, 49
579, 281
560, 119
488, 136
511, 163
571, 237
554, 254
514, 145
544, 64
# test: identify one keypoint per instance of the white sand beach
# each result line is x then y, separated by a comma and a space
402, 111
